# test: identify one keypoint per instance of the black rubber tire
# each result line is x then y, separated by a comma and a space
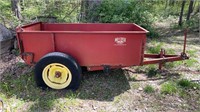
58, 57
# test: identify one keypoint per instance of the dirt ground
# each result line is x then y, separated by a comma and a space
123, 90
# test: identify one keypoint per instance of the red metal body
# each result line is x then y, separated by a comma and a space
92, 45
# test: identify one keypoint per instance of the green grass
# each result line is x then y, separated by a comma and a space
149, 89
117, 99
169, 88
186, 84
156, 48
188, 63
16, 52
20, 91
192, 53
152, 72
144, 68
132, 78
191, 62
180, 86
20, 64
135, 85
173, 64
170, 51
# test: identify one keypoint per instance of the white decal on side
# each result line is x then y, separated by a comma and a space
120, 41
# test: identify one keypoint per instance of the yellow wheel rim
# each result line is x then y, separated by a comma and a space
56, 76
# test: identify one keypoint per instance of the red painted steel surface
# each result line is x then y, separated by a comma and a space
92, 45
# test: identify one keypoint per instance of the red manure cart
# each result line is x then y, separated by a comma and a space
59, 51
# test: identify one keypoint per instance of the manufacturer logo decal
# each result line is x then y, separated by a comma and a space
120, 41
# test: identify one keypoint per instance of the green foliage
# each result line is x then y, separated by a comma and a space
180, 86
20, 91
143, 13
129, 11
192, 53
152, 72
185, 83
133, 78
135, 85
147, 69
34, 10
190, 62
149, 89
5, 8
170, 10
15, 52
125, 11
193, 23
20, 64
156, 48
170, 51
72, 95
166, 8
63, 11
169, 88
172, 64
6, 15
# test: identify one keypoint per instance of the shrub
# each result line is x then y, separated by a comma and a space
185, 83
125, 11
169, 88
155, 49
152, 72
149, 89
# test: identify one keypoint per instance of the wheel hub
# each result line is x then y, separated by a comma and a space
58, 74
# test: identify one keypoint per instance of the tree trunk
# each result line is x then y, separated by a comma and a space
181, 14
190, 9
197, 10
171, 2
6, 40
194, 5
82, 11
15, 6
88, 9
3, 20
22, 5
166, 4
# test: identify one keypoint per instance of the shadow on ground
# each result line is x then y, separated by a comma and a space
94, 86
167, 35
98, 86
19, 83
151, 75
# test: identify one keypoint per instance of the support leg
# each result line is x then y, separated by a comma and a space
162, 53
